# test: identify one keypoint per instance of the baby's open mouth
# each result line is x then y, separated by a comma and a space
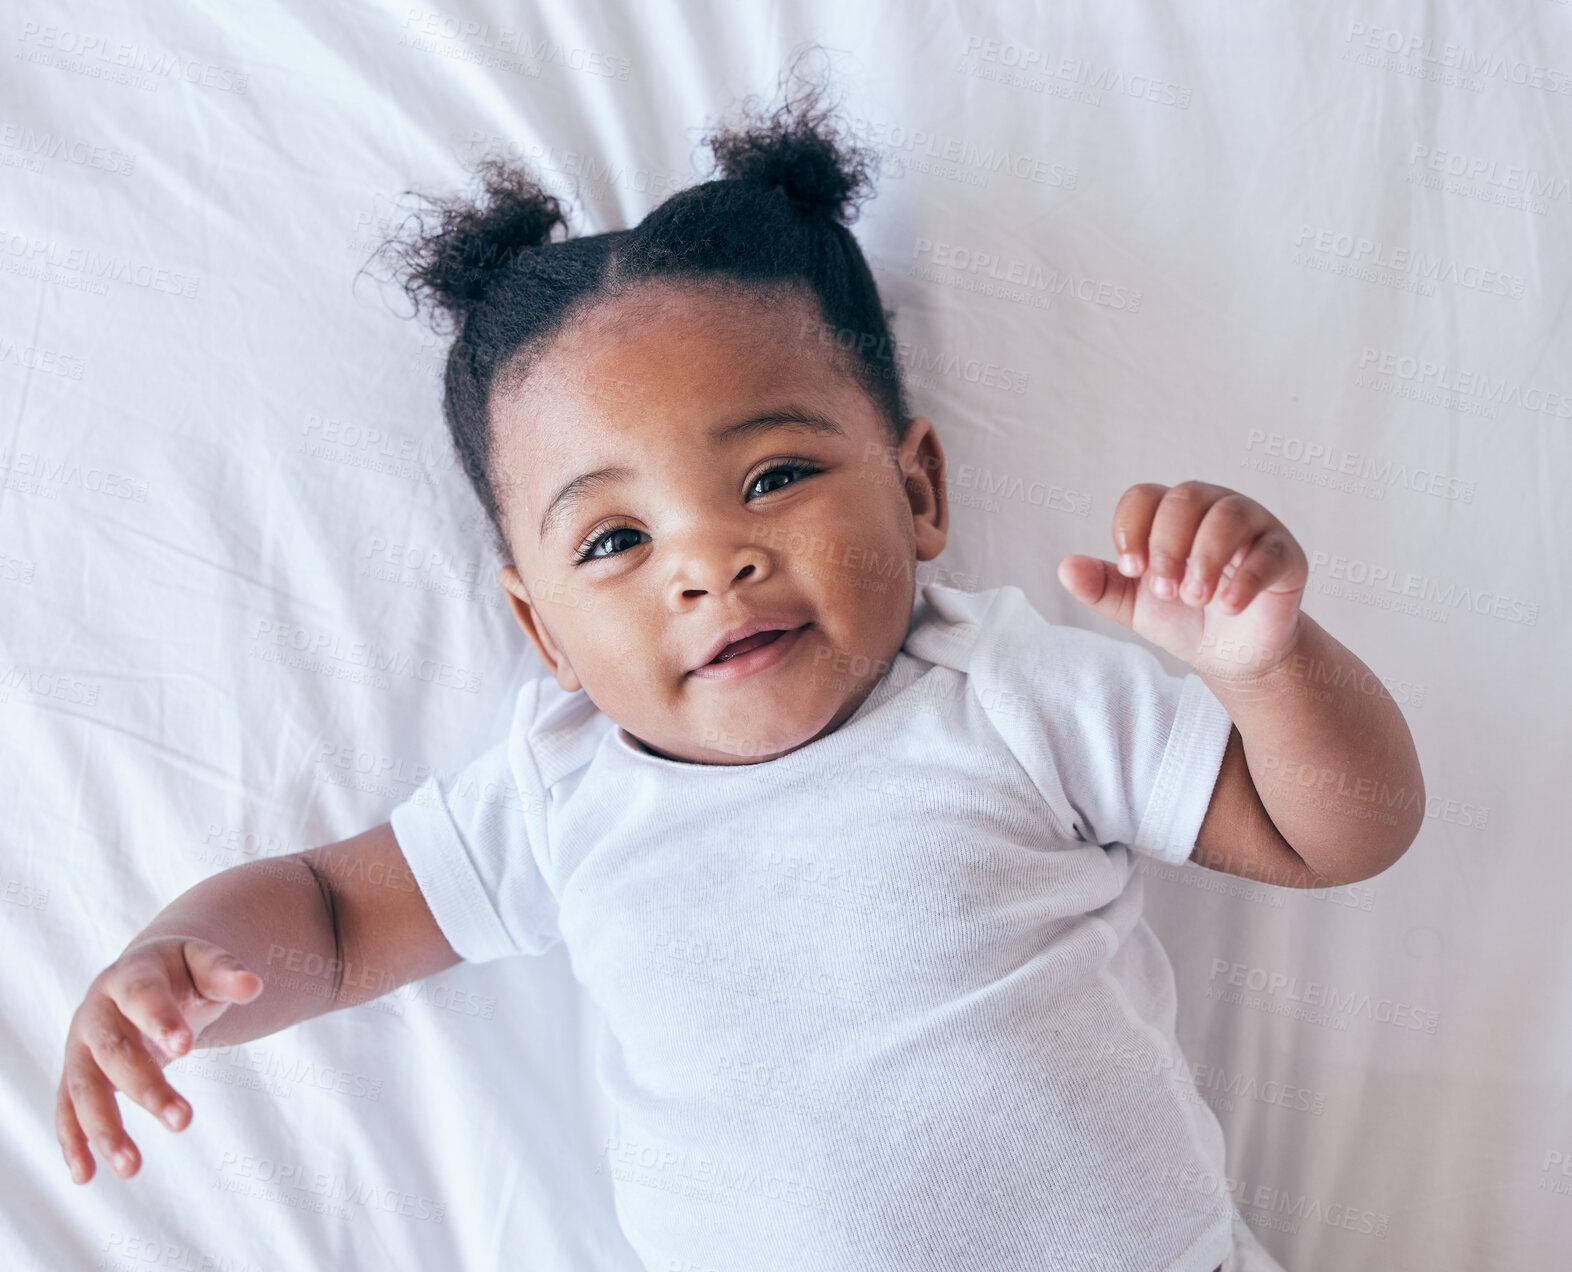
745, 644
758, 650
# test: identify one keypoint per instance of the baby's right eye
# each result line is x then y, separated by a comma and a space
587, 549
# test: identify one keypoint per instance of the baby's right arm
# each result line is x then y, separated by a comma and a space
318, 930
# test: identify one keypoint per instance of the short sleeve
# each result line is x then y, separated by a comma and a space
468, 838
1123, 751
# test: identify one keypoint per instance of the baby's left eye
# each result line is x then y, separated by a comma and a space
796, 472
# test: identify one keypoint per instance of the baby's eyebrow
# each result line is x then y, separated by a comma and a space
794, 417
781, 417
572, 492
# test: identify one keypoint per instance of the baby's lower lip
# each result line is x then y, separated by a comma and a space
755, 660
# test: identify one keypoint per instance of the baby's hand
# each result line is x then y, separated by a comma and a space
140, 1012
1237, 614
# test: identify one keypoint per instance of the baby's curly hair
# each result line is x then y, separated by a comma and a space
503, 276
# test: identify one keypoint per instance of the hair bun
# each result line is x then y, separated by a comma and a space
451, 266
800, 151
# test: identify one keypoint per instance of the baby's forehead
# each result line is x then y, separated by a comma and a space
656, 348
711, 317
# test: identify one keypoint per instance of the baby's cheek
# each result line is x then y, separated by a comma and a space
618, 685
861, 560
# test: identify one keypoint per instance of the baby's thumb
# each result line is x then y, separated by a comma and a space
1099, 586
218, 975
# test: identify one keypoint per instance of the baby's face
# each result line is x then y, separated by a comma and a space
682, 499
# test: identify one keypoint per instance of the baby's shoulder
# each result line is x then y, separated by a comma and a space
555, 731
959, 627
1009, 650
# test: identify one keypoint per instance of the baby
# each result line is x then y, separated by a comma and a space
847, 862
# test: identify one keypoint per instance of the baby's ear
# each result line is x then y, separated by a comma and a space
528, 617
922, 460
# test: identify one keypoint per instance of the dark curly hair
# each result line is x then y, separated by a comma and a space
507, 282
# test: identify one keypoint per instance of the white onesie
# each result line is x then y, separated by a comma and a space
862, 1001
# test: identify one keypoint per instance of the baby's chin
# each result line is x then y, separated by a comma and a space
748, 733
727, 744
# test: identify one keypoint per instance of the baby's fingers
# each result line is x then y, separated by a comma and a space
1273, 558
149, 1003
1132, 525
87, 1110
218, 975
116, 1045
73, 1143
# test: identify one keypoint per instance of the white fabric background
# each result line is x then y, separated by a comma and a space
210, 443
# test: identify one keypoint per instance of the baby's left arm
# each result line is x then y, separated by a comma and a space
1320, 782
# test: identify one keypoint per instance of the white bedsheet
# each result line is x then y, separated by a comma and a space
1317, 252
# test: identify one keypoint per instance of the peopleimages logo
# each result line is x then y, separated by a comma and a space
1375, 578
32, 256
1465, 381
296, 1184
917, 144
42, 145
431, 25
1027, 67
1280, 1202
1507, 178
1359, 253
309, 649
104, 57
1378, 470
1285, 988
1032, 275
1451, 56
